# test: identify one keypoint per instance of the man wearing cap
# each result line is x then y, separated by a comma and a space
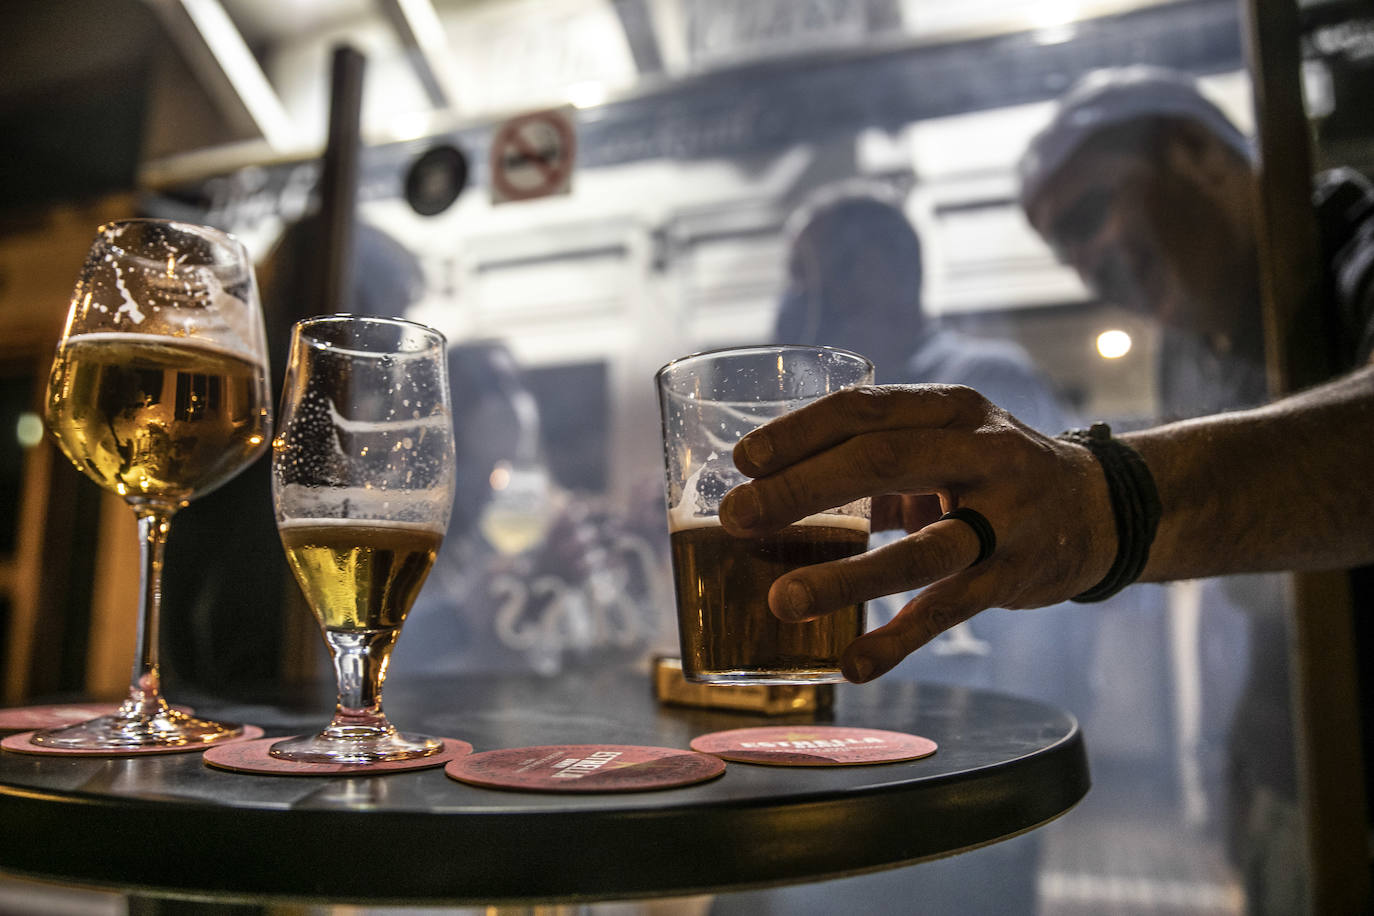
1143, 186
1146, 189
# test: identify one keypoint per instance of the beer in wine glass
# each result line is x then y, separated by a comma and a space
362, 481
158, 393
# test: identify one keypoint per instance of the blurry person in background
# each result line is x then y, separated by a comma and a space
530, 577
854, 281
854, 278
1143, 186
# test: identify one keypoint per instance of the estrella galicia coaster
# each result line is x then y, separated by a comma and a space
253, 757
585, 768
813, 745
33, 718
20, 743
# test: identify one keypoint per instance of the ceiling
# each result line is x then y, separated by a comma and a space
249, 79
262, 63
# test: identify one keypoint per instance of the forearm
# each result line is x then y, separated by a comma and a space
1285, 486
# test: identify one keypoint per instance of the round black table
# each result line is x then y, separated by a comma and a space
170, 826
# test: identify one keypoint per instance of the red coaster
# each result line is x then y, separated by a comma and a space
20, 743
34, 718
585, 768
813, 746
252, 757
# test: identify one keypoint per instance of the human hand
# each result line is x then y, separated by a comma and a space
919, 450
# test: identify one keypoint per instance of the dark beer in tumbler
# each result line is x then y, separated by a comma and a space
722, 582
727, 633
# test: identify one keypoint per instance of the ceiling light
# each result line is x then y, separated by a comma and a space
586, 94
1053, 23
1113, 344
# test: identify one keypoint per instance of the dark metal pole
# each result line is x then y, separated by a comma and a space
339, 182
322, 250
1325, 691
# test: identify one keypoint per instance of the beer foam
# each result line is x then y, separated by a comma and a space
306, 503
427, 527
130, 307
396, 355
683, 517
438, 420
820, 519
168, 340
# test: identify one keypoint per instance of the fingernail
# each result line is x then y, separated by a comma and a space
741, 506
796, 601
757, 449
863, 668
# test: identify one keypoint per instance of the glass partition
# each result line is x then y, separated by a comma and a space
855, 173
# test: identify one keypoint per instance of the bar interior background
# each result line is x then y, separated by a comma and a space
699, 125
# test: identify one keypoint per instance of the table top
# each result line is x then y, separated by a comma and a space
171, 825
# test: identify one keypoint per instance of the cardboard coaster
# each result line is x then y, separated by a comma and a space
35, 718
585, 768
252, 757
813, 746
20, 743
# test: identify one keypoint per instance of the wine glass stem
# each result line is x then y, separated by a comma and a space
360, 660
145, 684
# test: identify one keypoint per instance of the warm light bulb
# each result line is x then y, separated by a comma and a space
1113, 344
29, 429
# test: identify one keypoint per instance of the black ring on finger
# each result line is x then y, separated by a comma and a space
987, 538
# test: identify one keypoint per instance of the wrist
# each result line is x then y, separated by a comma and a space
1098, 541
1134, 509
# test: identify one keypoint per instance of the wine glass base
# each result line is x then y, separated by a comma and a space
121, 731
364, 746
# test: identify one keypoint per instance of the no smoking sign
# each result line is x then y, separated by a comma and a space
533, 155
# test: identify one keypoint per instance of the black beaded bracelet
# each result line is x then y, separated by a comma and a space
1135, 505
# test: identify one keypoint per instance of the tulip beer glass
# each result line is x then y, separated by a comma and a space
728, 635
362, 482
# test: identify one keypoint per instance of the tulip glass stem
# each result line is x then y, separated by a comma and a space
144, 719
360, 660
145, 682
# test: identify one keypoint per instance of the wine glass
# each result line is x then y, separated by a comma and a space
158, 393
362, 481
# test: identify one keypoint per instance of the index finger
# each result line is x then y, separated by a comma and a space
827, 422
